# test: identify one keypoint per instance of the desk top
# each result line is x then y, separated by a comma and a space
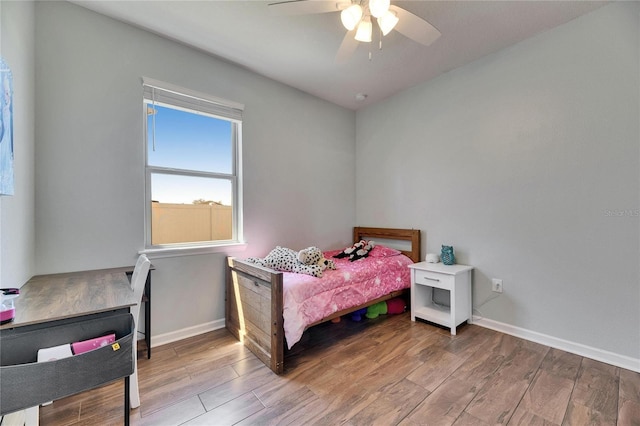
58, 296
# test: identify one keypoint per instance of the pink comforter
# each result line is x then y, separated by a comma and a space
308, 299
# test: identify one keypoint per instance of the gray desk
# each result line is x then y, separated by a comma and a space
58, 309
58, 296
46, 298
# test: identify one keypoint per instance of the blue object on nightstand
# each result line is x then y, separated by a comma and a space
447, 256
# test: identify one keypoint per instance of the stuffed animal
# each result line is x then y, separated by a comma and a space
357, 251
326, 263
362, 251
357, 315
285, 259
377, 309
310, 256
396, 305
314, 256
346, 252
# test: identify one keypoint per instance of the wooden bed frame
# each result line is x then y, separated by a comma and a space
253, 308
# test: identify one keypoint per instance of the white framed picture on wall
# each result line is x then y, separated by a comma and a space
6, 130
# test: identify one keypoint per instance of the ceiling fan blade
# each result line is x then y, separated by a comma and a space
347, 47
308, 7
414, 27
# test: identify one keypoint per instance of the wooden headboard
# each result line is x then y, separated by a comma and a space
411, 235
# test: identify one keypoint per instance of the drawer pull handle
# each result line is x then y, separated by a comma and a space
431, 279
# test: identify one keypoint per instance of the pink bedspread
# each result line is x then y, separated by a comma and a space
308, 299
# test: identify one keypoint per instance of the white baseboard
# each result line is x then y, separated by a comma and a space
622, 361
174, 336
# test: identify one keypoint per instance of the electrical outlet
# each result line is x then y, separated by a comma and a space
496, 285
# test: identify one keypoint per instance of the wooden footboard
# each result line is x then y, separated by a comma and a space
254, 299
254, 310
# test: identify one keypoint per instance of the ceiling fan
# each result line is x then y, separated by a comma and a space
358, 17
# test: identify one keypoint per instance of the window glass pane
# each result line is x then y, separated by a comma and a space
187, 189
190, 209
188, 140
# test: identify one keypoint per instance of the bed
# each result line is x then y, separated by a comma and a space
258, 299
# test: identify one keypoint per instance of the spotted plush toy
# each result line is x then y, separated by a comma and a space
287, 260
314, 256
310, 255
326, 263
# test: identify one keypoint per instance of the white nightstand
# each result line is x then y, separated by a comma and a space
456, 279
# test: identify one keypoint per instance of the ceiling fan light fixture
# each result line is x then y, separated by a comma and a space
351, 16
379, 7
365, 28
387, 22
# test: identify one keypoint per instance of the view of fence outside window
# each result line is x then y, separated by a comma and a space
191, 172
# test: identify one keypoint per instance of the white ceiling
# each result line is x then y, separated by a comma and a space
300, 50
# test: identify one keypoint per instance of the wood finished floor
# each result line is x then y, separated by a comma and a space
386, 371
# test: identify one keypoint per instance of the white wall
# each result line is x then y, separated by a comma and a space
17, 237
514, 159
298, 158
517, 160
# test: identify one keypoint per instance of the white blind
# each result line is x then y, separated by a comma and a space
158, 91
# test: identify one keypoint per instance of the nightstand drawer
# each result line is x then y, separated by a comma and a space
433, 279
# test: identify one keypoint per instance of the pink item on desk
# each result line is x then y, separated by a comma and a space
7, 309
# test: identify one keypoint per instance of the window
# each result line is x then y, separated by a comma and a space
193, 168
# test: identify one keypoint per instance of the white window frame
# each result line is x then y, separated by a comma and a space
172, 96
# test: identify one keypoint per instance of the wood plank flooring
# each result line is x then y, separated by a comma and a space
386, 371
